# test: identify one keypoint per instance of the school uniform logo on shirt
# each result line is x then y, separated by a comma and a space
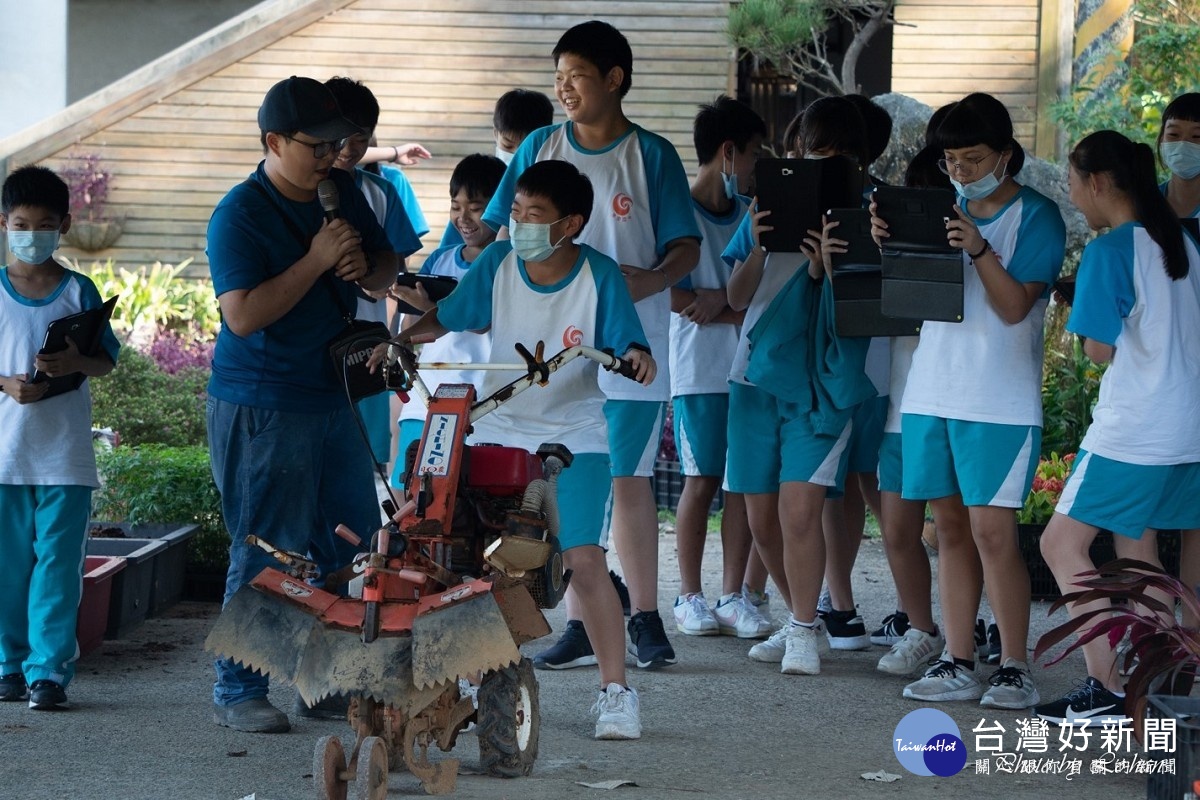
622, 206
572, 336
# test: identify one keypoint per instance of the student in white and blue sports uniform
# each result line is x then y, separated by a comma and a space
787, 453
643, 219
358, 104
728, 136
543, 287
472, 184
1137, 307
1179, 151
975, 389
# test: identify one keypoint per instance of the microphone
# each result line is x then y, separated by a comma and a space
327, 194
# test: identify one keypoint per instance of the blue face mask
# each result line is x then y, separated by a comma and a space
32, 247
730, 179
531, 240
1182, 158
982, 188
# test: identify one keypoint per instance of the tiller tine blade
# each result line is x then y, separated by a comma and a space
262, 633
459, 633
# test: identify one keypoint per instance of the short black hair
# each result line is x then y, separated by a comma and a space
479, 175
356, 101
522, 111
980, 119
878, 122
1184, 107
36, 187
567, 189
725, 120
833, 123
603, 45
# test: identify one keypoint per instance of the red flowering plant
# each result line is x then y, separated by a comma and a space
1048, 483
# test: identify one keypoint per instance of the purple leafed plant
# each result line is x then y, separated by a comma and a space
89, 184
173, 352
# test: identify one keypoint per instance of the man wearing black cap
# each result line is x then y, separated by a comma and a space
286, 453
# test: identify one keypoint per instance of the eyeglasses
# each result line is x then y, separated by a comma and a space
321, 149
968, 166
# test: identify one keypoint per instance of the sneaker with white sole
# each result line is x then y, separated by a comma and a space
913, 651
891, 631
771, 651
760, 600
1089, 700
573, 649
800, 650
945, 680
619, 713
736, 616
1011, 687
693, 616
846, 630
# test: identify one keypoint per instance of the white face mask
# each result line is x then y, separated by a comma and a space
815, 156
1182, 158
32, 247
729, 179
531, 240
504, 155
984, 187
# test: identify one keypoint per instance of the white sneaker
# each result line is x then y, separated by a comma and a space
945, 680
771, 651
694, 617
1011, 687
801, 656
619, 712
736, 616
913, 651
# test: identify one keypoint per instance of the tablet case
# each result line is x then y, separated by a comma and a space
857, 280
85, 329
922, 273
798, 190
436, 286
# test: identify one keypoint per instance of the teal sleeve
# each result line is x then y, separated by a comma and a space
670, 195
617, 323
91, 299
469, 306
1041, 243
500, 207
741, 244
1104, 290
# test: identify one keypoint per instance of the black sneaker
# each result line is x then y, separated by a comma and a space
993, 639
622, 591
981, 641
1088, 700
892, 630
572, 650
846, 630
13, 688
336, 706
47, 696
648, 641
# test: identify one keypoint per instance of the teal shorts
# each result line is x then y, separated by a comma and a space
774, 443
585, 501
1129, 498
634, 434
867, 435
410, 431
700, 424
987, 463
891, 464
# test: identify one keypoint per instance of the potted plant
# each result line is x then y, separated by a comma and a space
89, 182
1048, 482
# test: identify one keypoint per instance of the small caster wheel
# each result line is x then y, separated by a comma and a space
371, 777
329, 769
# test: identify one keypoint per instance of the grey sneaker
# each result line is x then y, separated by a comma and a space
1011, 687
255, 715
913, 651
800, 650
771, 651
945, 680
618, 713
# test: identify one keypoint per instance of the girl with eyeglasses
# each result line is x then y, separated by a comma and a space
971, 415
1137, 307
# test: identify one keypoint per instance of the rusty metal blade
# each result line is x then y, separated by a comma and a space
521, 613
459, 640
262, 633
337, 662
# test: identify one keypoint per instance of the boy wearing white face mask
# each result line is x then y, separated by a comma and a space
47, 466
540, 286
1179, 151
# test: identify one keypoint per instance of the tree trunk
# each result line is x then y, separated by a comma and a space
862, 38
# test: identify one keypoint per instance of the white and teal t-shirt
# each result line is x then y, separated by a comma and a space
590, 306
642, 203
1148, 411
702, 354
983, 369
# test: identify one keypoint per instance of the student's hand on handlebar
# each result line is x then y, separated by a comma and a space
644, 368
879, 228
963, 233
378, 357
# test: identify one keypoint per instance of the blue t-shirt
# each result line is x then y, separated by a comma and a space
408, 197
286, 365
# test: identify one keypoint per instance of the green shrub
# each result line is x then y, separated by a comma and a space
145, 405
158, 484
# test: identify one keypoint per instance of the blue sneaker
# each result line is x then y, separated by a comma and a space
573, 649
648, 641
13, 688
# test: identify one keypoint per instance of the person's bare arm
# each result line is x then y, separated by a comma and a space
681, 258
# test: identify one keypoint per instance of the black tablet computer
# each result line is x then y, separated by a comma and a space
854, 227
916, 218
436, 286
797, 191
85, 329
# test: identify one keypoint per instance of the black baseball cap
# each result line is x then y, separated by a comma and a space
307, 106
